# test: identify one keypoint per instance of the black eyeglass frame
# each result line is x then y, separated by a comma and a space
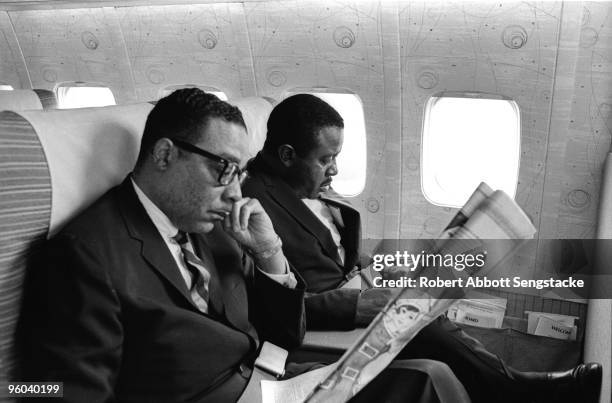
230, 168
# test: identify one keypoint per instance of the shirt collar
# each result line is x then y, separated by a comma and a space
163, 224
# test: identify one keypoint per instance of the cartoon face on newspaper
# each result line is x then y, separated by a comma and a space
401, 316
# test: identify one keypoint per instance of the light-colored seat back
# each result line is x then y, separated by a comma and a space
53, 164
25, 210
21, 100
255, 111
88, 151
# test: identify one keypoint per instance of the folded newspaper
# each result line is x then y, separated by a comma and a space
487, 215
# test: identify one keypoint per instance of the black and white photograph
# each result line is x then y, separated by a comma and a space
287, 201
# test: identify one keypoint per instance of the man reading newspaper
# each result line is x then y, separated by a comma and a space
321, 236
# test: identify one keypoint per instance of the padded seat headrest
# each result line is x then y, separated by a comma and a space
88, 151
21, 100
255, 111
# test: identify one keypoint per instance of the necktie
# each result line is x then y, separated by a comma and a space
200, 277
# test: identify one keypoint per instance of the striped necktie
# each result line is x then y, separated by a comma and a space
200, 277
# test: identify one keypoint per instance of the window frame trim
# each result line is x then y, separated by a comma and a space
80, 84
434, 98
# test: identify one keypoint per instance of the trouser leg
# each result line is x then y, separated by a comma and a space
484, 375
414, 381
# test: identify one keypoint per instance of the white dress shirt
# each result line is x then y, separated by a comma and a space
322, 211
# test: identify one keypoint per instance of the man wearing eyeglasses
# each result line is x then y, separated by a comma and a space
147, 296
165, 288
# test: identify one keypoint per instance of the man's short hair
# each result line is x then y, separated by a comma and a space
297, 120
182, 115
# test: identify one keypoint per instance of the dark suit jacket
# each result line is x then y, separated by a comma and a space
308, 245
108, 313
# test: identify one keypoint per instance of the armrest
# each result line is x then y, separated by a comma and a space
324, 346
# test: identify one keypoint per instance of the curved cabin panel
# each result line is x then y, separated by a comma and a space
74, 45
204, 44
345, 47
541, 55
508, 49
13, 71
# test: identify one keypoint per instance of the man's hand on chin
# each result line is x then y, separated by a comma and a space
249, 224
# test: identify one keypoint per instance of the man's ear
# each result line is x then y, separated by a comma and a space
164, 153
286, 154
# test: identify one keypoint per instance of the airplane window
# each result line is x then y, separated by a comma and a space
215, 91
351, 162
83, 96
469, 138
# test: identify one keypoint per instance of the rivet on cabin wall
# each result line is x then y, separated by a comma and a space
344, 37
412, 164
433, 12
427, 79
432, 225
89, 40
49, 75
207, 39
605, 106
605, 110
588, 37
156, 76
514, 37
372, 205
578, 199
277, 78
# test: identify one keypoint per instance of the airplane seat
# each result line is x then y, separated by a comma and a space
21, 100
55, 163
255, 111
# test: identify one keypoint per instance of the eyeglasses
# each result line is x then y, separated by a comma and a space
230, 169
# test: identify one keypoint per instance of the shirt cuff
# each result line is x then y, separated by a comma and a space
287, 279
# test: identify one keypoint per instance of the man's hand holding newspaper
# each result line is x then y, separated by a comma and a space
486, 216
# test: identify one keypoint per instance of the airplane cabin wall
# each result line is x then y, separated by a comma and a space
502, 48
199, 44
551, 57
12, 67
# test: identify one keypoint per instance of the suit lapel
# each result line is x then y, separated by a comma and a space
140, 227
350, 231
285, 197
